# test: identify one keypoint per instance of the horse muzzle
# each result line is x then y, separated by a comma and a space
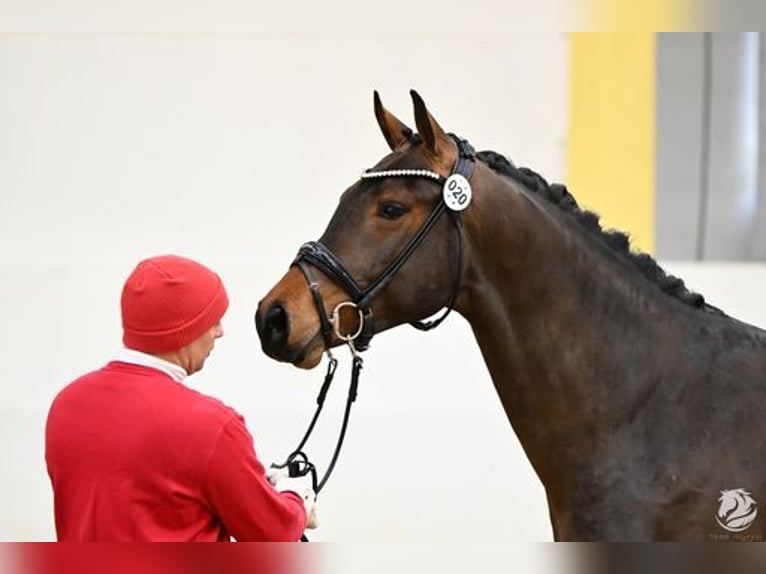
273, 330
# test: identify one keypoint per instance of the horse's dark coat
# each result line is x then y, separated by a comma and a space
635, 401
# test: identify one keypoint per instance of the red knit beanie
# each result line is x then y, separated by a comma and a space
168, 302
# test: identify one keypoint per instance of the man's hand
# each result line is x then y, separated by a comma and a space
300, 485
274, 474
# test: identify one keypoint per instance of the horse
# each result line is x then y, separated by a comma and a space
636, 402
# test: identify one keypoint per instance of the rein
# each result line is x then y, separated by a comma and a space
456, 196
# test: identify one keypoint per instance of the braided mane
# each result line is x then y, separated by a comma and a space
618, 241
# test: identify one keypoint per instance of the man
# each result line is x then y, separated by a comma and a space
133, 454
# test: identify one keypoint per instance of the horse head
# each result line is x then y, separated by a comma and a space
366, 252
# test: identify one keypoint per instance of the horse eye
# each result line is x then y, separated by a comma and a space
391, 210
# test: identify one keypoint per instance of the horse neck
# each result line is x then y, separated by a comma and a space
545, 301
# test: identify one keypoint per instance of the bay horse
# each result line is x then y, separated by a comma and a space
637, 403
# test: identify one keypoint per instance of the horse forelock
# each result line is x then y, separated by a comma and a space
618, 241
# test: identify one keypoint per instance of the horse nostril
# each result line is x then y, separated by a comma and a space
274, 329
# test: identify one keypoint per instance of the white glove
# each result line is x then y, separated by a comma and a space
274, 474
300, 485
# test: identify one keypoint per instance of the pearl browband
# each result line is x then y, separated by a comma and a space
402, 173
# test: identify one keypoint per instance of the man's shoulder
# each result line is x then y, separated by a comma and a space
79, 385
211, 406
118, 383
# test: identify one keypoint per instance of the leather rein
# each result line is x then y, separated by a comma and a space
456, 196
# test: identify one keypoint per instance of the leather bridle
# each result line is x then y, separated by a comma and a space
319, 255
456, 195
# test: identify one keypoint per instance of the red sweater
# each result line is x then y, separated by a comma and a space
135, 456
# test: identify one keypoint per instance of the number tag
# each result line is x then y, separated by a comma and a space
457, 192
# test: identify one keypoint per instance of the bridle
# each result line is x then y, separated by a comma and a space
317, 254
456, 195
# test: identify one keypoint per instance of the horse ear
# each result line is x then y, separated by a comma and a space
433, 135
395, 132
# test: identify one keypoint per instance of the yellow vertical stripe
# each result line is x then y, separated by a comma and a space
632, 15
610, 151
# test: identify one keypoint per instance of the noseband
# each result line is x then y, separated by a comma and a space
320, 256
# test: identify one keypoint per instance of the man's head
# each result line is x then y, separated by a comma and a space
172, 307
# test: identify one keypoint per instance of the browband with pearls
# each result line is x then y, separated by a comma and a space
402, 173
